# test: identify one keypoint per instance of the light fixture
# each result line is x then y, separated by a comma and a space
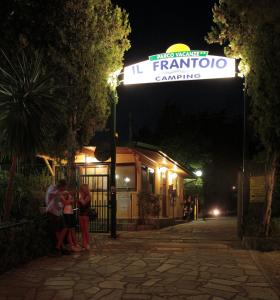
198, 173
90, 159
162, 169
127, 179
174, 175
113, 79
151, 170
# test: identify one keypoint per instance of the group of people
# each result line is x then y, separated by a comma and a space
188, 209
60, 205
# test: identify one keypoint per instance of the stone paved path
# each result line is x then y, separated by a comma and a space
195, 261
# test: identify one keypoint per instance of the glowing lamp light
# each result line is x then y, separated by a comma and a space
162, 169
198, 173
174, 175
90, 159
113, 79
127, 179
164, 161
117, 176
216, 212
151, 170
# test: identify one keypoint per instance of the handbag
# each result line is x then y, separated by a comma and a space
92, 214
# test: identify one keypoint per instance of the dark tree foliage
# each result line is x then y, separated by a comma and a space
83, 42
250, 32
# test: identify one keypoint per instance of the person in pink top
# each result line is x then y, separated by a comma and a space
84, 203
69, 219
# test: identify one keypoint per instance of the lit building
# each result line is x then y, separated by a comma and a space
138, 168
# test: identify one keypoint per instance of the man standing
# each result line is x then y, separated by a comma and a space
54, 210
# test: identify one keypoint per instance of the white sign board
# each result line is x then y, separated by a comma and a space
179, 66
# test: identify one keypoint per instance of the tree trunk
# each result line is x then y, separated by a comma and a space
270, 184
9, 192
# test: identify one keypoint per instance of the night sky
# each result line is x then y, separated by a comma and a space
155, 26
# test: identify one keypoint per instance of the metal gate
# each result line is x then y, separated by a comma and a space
99, 188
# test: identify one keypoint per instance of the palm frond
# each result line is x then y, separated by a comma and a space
26, 95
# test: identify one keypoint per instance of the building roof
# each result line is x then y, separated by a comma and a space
150, 154
162, 158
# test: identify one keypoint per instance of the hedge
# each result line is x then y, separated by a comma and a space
23, 241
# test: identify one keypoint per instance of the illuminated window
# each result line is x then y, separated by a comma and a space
125, 177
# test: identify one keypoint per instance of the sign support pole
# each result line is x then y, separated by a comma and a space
113, 168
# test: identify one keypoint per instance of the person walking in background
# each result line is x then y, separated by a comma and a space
84, 203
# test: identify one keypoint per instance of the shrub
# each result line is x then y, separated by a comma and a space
29, 191
149, 206
26, 236
23, 241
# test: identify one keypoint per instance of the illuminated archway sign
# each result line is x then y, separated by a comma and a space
179, 63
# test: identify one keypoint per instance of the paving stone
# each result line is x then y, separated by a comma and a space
55, 282
112, 284
80, 297
199, 297
63, 294
136, 297
188, 291
220, 287
252, 272
137, 275
93, 290
115, 277
158, 298
231, 272
261, 293
223, 282
218, 293
150, 282
188, 284
205, 275
260, 279
240, 278
136, 290
240, 298
45, 295
115, 295
31, 294
249, 267
13, 292
106, 270
82, 286
139, 263
164, 268
259, 284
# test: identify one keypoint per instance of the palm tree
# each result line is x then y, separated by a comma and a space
26, 105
